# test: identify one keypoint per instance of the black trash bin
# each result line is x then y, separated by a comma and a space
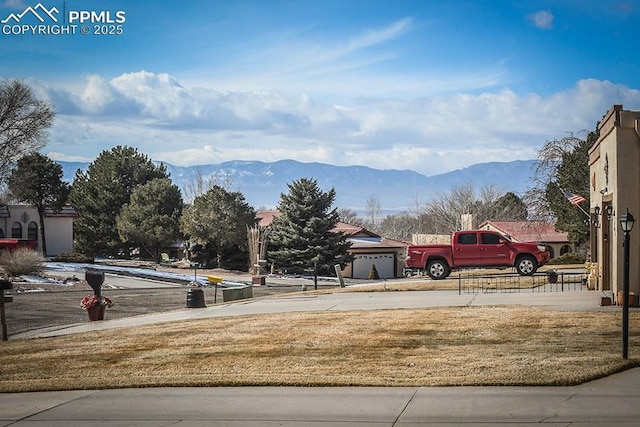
195, 298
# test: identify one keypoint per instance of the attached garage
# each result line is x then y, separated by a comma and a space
384, 262
367, 248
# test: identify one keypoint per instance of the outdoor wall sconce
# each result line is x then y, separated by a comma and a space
594, 219
610, 211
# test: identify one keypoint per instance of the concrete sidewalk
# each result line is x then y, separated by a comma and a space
612, 401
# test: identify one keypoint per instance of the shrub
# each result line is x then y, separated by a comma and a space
73, 257
373, 273
569, 258
21, 261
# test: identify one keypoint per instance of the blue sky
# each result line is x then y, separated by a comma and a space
425, 85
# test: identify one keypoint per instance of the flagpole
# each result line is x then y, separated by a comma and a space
568, 195
583, 211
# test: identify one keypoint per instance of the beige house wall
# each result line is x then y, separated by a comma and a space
430, 239
59, 235
59, 229
614, 163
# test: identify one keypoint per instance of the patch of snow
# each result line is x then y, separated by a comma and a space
143, 272
44, 280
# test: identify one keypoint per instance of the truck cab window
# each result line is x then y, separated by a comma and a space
490, 239
468, 239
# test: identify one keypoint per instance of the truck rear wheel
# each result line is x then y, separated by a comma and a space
526, 265
438, 269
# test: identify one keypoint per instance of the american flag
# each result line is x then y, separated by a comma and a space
574, 199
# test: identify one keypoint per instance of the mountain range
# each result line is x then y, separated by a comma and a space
397, 190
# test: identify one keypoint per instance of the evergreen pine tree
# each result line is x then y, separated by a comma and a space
303, 235
219, 219
152, 218
373, 273
99, 194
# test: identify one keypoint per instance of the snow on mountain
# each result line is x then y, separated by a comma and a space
397, 190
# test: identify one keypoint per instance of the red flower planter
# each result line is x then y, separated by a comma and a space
96, 312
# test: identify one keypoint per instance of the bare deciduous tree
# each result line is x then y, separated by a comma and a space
24, 121
399, 226
200, 184
349, 216
550, 158
563, 164
445, 211
373, 211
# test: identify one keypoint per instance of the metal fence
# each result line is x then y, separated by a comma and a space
507, 283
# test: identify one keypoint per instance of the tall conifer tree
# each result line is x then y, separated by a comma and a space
219, 218
99, 194
303, 235
152, 219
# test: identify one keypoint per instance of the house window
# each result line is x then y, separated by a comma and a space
1, 233
32, 231
16, 230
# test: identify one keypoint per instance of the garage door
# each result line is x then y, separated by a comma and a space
384, 264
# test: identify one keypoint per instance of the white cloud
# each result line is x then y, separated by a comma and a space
98, 96
542, 19
184, 126
367, 62
366, 40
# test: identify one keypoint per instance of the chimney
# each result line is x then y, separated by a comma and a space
468, 222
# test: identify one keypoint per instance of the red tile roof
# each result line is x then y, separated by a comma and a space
266, 218
528, 231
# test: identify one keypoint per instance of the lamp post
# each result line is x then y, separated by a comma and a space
626, 223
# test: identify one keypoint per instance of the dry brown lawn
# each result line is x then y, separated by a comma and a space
428, 347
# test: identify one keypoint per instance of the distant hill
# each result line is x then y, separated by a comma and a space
398, 190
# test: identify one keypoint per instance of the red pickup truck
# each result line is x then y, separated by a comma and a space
477, 248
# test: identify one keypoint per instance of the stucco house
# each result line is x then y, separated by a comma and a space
557, 242
21, 222
370, 249
367, 247
614, 169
